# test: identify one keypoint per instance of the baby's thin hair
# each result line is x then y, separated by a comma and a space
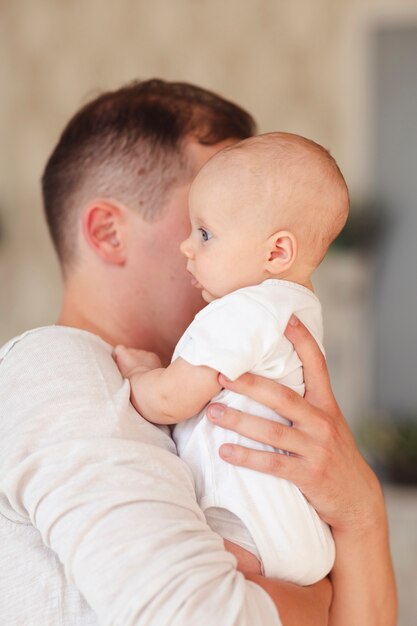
314, 180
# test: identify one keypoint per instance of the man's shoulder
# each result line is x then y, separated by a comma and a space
54, 343
57, 356
66, 378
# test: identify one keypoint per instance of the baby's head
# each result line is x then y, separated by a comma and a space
267, 207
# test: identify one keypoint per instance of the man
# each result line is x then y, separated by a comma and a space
99, 521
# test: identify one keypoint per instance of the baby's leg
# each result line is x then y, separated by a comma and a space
247, 563
285, 532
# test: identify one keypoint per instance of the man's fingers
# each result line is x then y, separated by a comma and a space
316, 376
282, 465
265, 431
277, 397
314, 364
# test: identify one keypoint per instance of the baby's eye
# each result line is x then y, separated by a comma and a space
205, 235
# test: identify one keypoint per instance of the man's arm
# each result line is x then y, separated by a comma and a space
326, 465
166, 395
298, 606
117, 508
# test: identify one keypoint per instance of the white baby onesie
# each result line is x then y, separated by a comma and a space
244, 332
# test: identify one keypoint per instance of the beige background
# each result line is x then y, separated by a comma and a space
298, 65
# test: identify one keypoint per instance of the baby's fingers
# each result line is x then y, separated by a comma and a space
126, 359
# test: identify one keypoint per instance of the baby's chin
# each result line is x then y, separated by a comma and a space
208, 297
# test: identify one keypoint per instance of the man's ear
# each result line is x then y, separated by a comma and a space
282, 252
103, 227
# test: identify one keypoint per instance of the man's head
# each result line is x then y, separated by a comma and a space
115, 194
267, 207
128, 145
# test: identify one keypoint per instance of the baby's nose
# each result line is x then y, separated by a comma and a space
186, 248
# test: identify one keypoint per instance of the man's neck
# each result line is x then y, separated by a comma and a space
85, 311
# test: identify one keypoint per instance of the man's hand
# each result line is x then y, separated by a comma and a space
296, 605
326, 465
324, 461
131, 362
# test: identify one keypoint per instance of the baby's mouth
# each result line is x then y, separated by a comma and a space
195, 283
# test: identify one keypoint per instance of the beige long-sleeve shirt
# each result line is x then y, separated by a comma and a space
98, 518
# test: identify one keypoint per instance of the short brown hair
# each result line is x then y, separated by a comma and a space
127, 144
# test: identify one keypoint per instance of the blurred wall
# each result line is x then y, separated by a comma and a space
396, 181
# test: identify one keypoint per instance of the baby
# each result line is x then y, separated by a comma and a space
263, 214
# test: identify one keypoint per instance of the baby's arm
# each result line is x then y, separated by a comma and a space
166, 395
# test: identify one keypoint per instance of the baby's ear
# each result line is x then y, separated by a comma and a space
281, 252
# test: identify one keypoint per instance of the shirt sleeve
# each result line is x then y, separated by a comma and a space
231, 336
117, 507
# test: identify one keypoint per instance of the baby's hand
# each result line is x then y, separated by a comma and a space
131, 361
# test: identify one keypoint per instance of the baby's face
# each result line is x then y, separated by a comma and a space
269, 206
226, 247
